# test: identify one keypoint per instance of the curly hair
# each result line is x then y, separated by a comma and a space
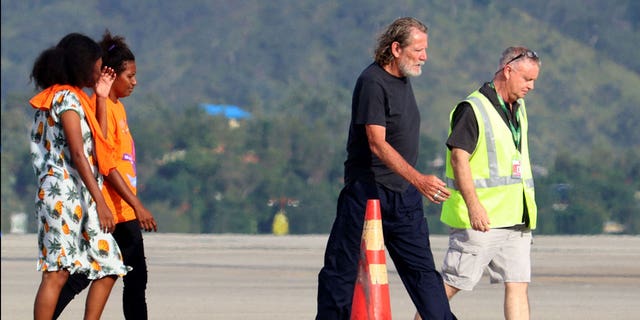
71, 62
115, 52
398, 31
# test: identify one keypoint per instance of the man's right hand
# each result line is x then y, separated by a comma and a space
433, 188
479, 218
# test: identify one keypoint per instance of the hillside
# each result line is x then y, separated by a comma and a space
292, 64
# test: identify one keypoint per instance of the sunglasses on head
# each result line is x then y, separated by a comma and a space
529, 54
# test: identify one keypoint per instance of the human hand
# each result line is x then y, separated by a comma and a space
434, 189
146, 220
479, 218
105, 217
103, 85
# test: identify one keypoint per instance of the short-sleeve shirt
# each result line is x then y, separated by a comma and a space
49, 150
464, 125
119, 135
382, 99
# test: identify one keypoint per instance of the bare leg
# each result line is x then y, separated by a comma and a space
516, 301
48, 293
451, 291
97, 297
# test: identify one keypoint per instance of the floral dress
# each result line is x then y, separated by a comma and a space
69, 233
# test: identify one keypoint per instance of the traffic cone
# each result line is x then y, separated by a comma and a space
371, 295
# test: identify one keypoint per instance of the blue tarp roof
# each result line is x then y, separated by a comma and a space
229, 111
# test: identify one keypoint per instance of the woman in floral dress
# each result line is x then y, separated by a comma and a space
74, 221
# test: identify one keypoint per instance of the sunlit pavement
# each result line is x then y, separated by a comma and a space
194, 276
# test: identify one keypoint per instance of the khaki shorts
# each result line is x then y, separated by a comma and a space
504, 252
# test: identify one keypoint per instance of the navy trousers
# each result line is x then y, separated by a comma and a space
406, 237
134, 304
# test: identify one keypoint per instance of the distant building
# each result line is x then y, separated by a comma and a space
612, 227
19, 222
233, 113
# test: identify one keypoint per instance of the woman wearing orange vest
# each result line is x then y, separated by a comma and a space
120, 187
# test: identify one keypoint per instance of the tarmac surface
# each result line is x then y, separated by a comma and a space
228, 276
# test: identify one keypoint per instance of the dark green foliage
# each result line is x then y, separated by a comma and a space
292, 64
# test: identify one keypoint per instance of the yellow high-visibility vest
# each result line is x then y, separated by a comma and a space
280, 225
501, 194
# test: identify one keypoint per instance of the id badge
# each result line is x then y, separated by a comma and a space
516, 168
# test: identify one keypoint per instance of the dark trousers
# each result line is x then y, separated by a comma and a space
134, 304
406, 238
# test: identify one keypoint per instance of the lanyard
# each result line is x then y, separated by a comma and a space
515, 128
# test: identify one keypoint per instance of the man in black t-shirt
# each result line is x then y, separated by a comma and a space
382, 152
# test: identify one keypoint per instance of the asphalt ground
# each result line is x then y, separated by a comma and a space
228, 276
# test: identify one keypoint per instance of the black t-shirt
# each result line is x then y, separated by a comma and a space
382, 99
464, 126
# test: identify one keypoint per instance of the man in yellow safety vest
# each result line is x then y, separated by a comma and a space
492, 209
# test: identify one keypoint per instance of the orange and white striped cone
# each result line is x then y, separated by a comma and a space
371, 295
